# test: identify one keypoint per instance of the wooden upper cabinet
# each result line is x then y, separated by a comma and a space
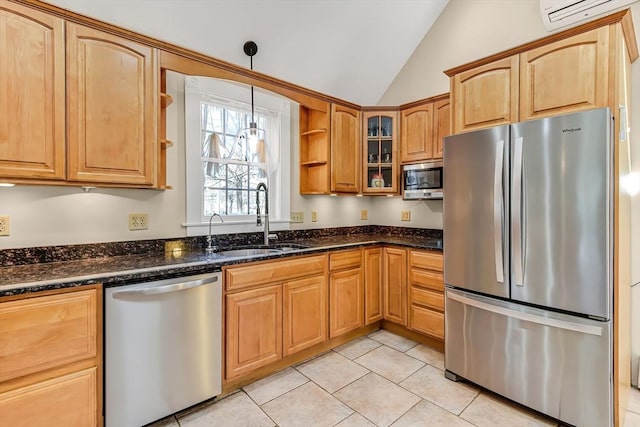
485, 96
441, 125
32, 94
112, 91
417, 133
565, 76
345, 149
380, 152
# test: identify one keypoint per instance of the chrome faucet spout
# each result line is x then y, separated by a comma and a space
262, 186
210, 247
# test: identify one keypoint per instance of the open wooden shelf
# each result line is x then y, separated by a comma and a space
165, 100
166, 143
313, 132
312, 163
315, 150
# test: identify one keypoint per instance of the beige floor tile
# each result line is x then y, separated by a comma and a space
632, 420
492, 411
430, 384
393, 340
426, 413
391, 364
307, 405
332, 371
634, 401
275, 385
237, 410
358, 347
428, 355
377, 399
356, 420
165, 422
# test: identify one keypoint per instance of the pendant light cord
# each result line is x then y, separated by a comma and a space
252, 118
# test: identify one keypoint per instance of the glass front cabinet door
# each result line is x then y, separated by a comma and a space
380, 151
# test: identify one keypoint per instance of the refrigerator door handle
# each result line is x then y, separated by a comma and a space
516, 212
498, 218
527, 317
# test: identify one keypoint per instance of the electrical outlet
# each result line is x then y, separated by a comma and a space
138, 221
4, 225
297, 216
314, 216
405, 215
364, 214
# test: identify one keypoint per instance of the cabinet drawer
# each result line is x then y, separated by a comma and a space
428, 260
274, 271
427, 298
427, 279
66, 401
340, 260
426, 321
45, 332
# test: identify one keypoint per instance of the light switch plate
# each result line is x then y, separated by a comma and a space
297, 216
314, 216
5, 225
364, 214
405, 215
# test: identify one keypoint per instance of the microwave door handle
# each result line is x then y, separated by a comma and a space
516, 212
498, 206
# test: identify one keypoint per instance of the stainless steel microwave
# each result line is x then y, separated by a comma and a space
422, 181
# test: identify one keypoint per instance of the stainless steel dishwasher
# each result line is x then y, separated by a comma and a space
162, 347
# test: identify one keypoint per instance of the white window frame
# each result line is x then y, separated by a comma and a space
204, 88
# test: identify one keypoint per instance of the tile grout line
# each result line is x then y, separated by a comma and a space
260, 407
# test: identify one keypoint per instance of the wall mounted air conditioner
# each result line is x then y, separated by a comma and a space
561, 13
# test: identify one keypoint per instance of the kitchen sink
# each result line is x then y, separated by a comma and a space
254, 250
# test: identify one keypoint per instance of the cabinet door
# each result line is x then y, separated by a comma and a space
253, 329
112, 108
32, 96
305, 313
395, 285
427, 321
485, 96
380, 153
372, 285
417, 133
345, 149
565, 76
441, 125
346, 306
66, 401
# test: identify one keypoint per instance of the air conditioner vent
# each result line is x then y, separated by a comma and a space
561, 13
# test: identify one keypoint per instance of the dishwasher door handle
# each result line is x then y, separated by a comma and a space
165, 289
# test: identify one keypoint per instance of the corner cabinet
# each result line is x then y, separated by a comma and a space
345, 149
32, 98
380, 152
112, 92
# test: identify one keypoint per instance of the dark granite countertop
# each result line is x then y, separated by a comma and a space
127, 269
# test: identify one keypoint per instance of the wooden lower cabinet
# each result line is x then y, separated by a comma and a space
346, 307
395, 285
51, 359
426, 293
305, 313
253, 329
66, 401
373, 307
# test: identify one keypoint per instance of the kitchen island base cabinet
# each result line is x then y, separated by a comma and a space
254, 329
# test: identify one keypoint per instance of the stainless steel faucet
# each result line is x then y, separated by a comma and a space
262, 186
211, 248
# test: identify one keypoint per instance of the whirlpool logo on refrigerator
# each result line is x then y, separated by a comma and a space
571, 130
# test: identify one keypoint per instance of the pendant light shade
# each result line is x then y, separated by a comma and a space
255, 136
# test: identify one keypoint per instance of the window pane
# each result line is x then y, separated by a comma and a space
238, 202
256, 176
214, 202
215, 175
238, 176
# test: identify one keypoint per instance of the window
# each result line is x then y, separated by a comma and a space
223, 170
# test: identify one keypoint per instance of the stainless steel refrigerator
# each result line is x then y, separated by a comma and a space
528, 262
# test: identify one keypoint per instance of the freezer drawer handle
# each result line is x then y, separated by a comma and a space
497, 211
174, 287
516, 213
527, 317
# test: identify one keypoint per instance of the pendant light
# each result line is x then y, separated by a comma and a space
254, 135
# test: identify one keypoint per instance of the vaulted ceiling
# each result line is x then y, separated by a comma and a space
350, 49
